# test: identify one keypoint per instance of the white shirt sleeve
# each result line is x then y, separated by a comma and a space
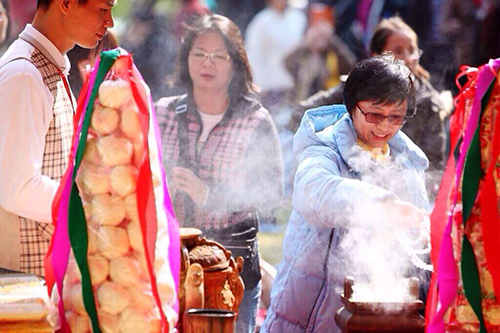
25, 115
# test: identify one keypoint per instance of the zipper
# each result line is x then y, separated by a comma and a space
321, 297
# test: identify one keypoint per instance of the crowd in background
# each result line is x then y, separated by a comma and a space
299, 55
450, 32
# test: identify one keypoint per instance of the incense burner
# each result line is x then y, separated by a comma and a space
380, 317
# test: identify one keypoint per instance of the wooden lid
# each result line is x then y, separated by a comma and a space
188, 233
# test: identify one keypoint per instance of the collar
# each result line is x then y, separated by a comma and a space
386, 151
278, 13
46, 47
236, 109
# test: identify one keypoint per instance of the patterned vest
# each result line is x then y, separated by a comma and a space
35, 236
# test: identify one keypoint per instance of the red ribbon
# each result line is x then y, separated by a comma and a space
145, 196
488, 201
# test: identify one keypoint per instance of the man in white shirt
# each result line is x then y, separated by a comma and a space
36, 126
271, 35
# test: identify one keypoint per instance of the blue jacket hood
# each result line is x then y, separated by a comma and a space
332, 126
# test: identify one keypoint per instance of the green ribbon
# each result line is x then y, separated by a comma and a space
470, 187
472, 169
470, 278
76, 216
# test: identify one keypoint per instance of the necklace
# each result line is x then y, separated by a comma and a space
409, 245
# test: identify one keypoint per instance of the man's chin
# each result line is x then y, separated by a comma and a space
88, 44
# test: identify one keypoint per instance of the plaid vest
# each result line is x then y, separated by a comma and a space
35, 237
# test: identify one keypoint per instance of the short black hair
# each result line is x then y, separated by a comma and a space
45, 4
381, 79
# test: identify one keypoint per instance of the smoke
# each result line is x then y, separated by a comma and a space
378, 264
388, 174
372, 251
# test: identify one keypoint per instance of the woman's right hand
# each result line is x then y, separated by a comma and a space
404, 215
185, 180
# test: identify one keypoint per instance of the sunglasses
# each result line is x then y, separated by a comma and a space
215, 57
377, 118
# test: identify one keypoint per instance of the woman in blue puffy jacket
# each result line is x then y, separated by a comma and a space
356, 170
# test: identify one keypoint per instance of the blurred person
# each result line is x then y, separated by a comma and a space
350, 23
189, 12
271, 35
37, 123
150, 37
356, 20
82, 61
317, 64
221, 149
460, 26
21, 12
241, 12
321, 59
424, 16
4, 22
489, 41
427, 19
427, 129
357, 172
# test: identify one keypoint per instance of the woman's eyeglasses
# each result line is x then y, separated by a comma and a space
215, 57
415, 55
377, 118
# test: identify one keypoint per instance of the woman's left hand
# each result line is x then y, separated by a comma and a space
185, 180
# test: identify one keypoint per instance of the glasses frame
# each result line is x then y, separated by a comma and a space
212, 55
415, 55
382, 117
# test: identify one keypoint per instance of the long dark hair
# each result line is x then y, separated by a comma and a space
242, 82
385, 29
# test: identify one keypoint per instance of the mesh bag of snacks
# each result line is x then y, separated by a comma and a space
113, 263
